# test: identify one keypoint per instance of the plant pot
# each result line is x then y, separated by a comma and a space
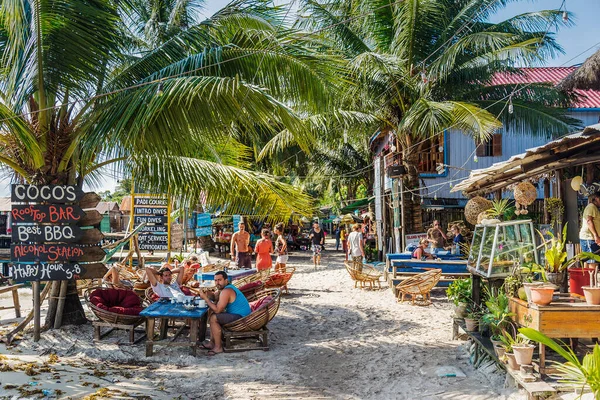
528, 286
512, 362
592, 295
460, 310
556, 278
579, 277
523, 353
499, 350
472, 324
496, 342
542, 295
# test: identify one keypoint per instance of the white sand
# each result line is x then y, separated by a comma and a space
329, 340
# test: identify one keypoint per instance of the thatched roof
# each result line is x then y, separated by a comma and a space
585, 77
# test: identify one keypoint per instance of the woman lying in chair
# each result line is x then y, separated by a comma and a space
420, 254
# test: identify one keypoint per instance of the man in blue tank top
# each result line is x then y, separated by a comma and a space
227, 305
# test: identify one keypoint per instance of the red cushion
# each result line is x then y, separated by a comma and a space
119, 301
260, 303
249, 286
186, 291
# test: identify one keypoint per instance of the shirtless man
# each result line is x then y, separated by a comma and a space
241, 241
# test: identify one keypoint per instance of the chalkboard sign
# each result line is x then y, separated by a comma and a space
55, 252
150, 201
149, 220
154, 228
153, 238
51, 214
149, 211
153, 246
47, 272
45, 193
55, 233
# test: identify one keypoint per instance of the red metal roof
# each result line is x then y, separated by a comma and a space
588, 98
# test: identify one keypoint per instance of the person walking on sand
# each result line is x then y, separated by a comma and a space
344, 240
240, 241
281, 249
318, 240
336, 231
263, 250
355, 246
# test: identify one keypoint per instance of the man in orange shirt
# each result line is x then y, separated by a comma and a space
241, 241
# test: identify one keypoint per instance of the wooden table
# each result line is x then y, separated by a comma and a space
165, 311
565, 317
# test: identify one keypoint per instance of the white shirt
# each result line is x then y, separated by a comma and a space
354, 240
163, 290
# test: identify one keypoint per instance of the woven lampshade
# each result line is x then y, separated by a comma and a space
476, 206
525, 193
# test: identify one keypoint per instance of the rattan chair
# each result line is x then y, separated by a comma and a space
419, 287
112, 320
253, 325
261, 276
363, 274
280, 280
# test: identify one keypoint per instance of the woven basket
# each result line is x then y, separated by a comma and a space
525, 193
110, 317
259, 318
476, 206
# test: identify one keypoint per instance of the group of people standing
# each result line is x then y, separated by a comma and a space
264, 248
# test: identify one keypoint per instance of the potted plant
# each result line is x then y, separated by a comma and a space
542, 295
578, 277
459, 292
556, 256
497, 315
472, 319
592, 292
509, 356
523, 350
575, 373
530, 273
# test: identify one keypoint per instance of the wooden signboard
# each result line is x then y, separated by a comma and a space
55, 233
206, 231
60, 194
89, 200
56, 271
154, 229
153, 238
55, 252
51, 214
150, 220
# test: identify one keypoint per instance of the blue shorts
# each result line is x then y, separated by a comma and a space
589, 246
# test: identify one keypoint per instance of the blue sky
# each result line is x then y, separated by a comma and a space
574, 40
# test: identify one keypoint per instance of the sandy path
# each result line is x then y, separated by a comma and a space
329, 340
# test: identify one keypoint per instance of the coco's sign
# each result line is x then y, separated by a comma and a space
46, 272
52, 214
55, 252
45, 193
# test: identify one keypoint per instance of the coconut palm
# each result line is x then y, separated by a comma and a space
80, 93
424, 66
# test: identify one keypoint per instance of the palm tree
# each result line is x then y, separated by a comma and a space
424, 66
80, 93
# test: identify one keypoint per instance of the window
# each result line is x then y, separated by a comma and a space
491, 147
431, 155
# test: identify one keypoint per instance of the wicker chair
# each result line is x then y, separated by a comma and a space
363, 275
419, 287
112, 320
280, 279
253, 325
261, 276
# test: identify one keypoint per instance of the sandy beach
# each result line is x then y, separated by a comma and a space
329, 340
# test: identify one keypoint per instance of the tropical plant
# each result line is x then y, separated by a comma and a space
459, 291
555, 253
79, 94
426, 66
507, 341
575, 373
501, 209
498, 312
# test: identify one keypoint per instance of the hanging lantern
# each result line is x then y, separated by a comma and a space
525, 193
476, 206
576, 183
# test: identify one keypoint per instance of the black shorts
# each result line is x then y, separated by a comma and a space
244, 260
226, 318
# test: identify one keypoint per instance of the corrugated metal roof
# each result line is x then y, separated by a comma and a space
588, 98
495, 175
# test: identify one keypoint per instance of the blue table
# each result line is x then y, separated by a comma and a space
165, 311
232, 273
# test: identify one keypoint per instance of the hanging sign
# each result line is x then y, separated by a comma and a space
56, 271
45, 193
203, 220
206, 231
150, 238
52, 214
55, 233
149, 211
55, 252
154, 229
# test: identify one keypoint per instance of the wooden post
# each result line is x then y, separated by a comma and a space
61, 304
36, 311
546, 196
